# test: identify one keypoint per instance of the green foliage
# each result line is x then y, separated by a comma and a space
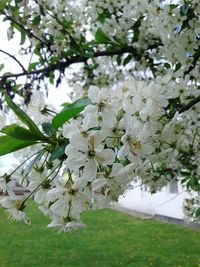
3, 4
19, 132
9, 144
23, 37
36, 20
82, 102
17, 137
127, 60
33, 66
70, 111
25, 119
48, 128
65, 115
174, 104
102, 38
197, 213
59, 152
1, 67
193, 183
136, 29
188, 12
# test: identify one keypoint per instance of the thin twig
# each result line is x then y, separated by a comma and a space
24, 162
45, 179
15, 59
194, 62
185, 107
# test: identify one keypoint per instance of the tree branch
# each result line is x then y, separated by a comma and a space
194, 62
189, 105
185, 107
72, 60
15, 59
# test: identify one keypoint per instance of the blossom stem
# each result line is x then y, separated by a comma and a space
46, 178
18, 167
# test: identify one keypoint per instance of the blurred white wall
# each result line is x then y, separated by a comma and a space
163, 203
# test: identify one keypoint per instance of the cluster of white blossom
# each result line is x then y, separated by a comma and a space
122, 135
165, 35
67, 20
191, 206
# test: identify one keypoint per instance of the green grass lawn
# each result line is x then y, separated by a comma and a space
110, 239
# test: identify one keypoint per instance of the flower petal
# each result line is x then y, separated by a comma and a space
109, 119
69, 129
79, 142
60, 207
93, 94
117, 167
74, 162
39, 196
106, 156
90, 170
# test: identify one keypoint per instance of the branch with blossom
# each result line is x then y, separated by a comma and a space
134, 111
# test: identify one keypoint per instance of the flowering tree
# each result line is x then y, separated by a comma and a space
134, 113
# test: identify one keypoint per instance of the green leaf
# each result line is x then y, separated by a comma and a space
3, 4
36, 20
185, 173
65, 104
102, 17
127, 60
32, 66
89, 54
177, 66
51, 77
81, 102
197, 212
173, 6
7, 73
19, 132
9, 144
136, 30
119, 60
23, 37
58, 153
193, 183
42, 10
101, 37
18, 1
48, 128
1, 67
167, 65
70, 111
64, 116
24, 118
